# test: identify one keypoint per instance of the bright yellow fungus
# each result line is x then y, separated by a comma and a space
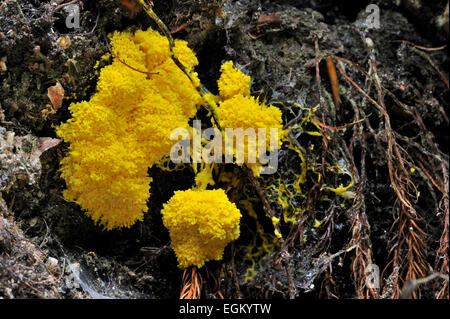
247, 112
126, 126
233, 82
275, 221
237, 109
201, 224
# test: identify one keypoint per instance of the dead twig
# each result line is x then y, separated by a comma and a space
234, 274
409, 233
421, 47
442, 259
410, 286
334, 81
59, 7
427, 57
192, 284
116, 56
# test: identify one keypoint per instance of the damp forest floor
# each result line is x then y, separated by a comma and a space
387, 138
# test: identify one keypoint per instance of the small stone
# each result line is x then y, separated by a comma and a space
33, 222
52, 263
369, 43
10, 138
